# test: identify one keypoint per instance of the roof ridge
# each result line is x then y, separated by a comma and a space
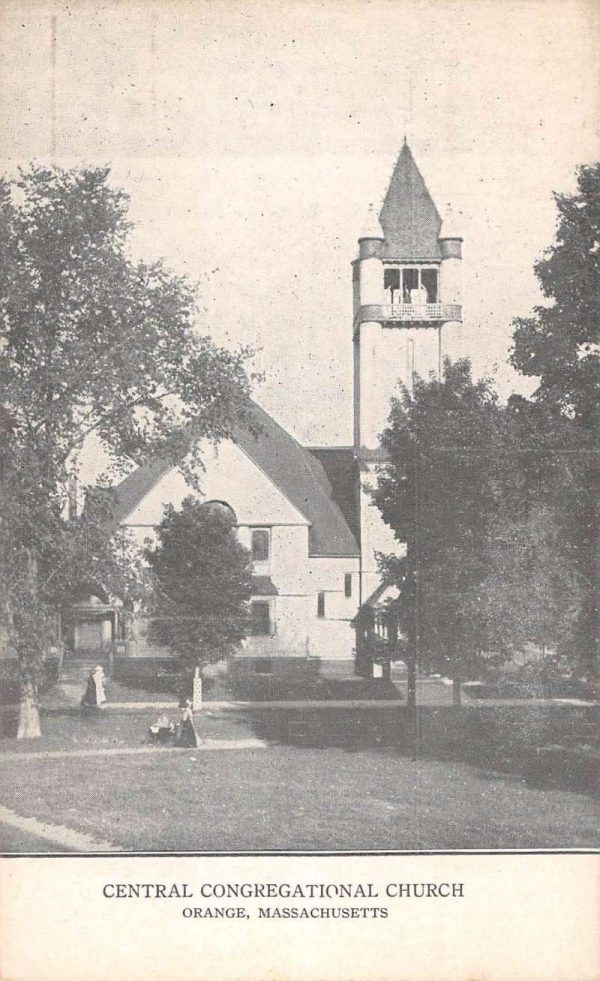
320, 449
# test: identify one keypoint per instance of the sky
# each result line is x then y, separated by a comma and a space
252, 138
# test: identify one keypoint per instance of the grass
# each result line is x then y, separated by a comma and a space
81, 730
282, 797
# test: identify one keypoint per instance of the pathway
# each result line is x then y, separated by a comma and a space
207, 745
55, 833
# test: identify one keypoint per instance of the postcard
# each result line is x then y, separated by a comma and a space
299, 478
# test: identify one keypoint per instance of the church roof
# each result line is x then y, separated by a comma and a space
341, 467
410, 220
137, 484
301, 477
296, 471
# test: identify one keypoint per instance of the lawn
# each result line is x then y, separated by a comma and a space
280, 797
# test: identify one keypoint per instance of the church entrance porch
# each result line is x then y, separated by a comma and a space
93, 629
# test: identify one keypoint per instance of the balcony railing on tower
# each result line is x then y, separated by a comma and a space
423, 313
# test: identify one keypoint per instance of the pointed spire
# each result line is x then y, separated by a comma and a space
409, 218
372, 226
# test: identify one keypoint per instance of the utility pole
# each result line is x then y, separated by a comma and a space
414, 620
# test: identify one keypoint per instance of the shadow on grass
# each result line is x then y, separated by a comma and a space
544, 744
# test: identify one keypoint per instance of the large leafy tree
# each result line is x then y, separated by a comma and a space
479, 574
559, 344
201, 583
96, 344
560, 347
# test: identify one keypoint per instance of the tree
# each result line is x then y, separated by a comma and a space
92, 342
437, 494
201, 581
559, 345
479, 574
95, 554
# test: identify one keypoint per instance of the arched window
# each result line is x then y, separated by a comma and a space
221, 507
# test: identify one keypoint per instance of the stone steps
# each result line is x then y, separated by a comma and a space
79, 671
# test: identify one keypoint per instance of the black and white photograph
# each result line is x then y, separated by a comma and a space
300, 386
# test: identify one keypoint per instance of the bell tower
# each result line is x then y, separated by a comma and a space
407, 318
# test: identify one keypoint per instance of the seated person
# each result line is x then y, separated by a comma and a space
161, 730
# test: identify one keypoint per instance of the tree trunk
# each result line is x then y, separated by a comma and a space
29, 718
456, 692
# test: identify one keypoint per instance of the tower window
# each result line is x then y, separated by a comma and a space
348, 584
321, 604
429, 280
391, 280
260, 544
410, 281
260, 619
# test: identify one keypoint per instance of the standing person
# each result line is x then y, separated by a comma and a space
186, 731
94, 695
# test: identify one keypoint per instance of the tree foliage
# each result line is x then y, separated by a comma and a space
560, 346
97, 343
201, 583
480, 573
92, 342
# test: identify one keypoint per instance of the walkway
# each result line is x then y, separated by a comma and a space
66, 838
207, 745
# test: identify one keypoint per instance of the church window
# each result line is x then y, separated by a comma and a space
429, 281
221, 508
321, 604
260, 544
260, 619
348, 584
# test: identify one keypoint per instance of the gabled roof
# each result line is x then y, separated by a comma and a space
379, 594
293, 469
341, 468
304, 482
410, 220
137, 484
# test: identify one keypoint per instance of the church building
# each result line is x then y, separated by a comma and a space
305, 512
